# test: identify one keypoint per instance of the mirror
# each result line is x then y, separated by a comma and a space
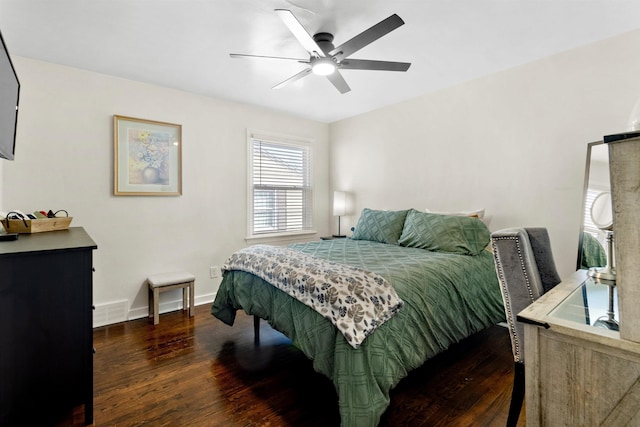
602, 217
592, 242
601, 212
591, 304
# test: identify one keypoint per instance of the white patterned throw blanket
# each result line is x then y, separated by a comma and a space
356, 301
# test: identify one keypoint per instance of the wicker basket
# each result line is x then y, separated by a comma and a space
28, 226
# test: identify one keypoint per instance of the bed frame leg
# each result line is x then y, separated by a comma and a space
256, 330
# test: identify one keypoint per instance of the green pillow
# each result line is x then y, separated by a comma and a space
444, 233
380, 226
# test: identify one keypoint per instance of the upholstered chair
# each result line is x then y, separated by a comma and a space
526, 270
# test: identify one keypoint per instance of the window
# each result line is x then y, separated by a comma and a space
280, 199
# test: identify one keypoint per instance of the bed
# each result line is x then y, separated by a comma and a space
437, 266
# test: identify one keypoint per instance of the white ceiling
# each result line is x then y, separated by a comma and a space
185, 44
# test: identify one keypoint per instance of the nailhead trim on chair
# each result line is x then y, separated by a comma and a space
507, 300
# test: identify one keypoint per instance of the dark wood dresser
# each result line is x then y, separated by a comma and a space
46, 337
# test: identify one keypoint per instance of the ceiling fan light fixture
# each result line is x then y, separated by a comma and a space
327, 60
323, 67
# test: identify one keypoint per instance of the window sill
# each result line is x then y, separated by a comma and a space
282, 238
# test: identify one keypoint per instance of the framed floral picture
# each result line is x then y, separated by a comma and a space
147, 157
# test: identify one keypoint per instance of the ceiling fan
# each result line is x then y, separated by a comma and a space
326, 60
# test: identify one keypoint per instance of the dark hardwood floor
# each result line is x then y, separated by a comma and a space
200, 372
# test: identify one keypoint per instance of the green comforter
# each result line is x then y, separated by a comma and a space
447, 298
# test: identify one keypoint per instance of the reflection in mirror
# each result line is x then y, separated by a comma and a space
591, 304
602, 217
592, 244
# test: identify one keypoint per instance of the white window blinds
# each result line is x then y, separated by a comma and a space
280, 174
589, 226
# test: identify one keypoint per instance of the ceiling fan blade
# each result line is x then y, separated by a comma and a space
299, 32
242, 55
366, 64
367, 36
293, 78
339, 82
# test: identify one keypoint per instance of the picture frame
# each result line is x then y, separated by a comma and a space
147, 157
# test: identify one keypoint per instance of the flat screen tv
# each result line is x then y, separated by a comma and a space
9, 97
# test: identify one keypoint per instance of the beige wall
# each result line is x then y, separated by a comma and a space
64, 160
513, 143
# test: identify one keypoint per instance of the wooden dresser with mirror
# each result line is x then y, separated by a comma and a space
582, 343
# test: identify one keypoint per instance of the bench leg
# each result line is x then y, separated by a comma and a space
185, 307
150, 301
192, 302
156, 309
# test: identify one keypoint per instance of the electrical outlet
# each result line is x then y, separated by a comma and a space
214, 271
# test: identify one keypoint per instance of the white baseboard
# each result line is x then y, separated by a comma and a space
116, 312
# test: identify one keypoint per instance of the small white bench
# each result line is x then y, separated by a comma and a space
166, 282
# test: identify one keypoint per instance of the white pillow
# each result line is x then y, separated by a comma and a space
477, 213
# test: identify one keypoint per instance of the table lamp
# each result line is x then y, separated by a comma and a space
340, 208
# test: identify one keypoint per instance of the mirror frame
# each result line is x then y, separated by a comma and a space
584, 199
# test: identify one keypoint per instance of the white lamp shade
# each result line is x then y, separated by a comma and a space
339, 203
